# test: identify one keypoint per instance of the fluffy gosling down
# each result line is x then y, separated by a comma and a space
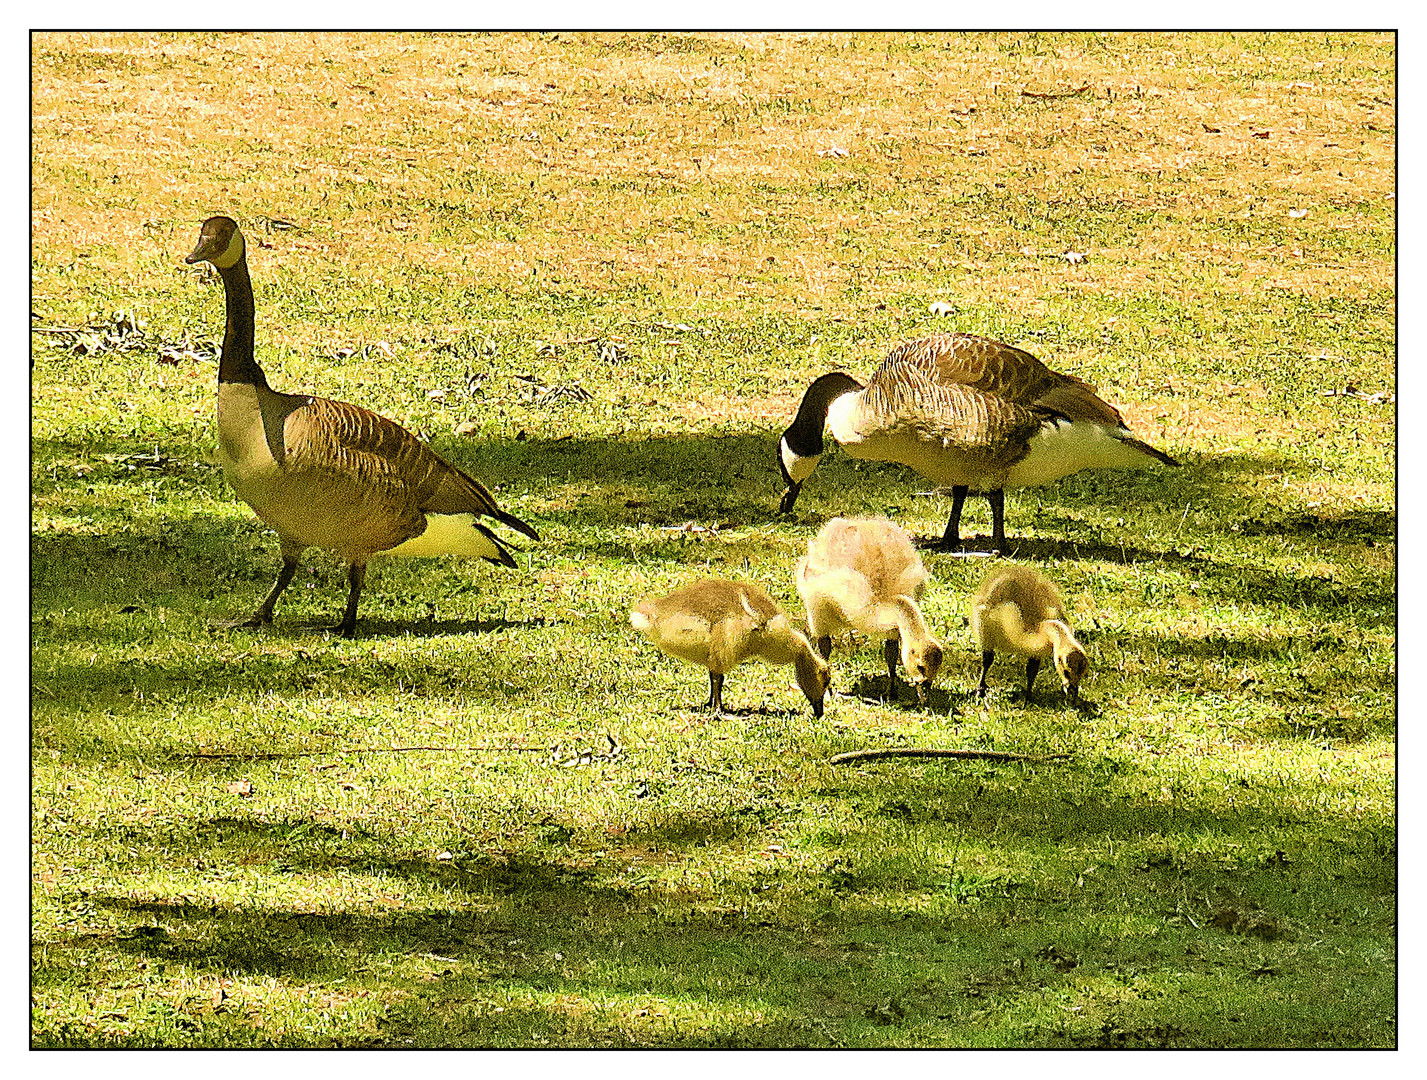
864, 574
719, 624
1017, 610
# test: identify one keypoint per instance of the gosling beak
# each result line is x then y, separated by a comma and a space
790, 497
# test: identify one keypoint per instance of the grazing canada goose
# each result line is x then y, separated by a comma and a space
965, 411
720, 624
1017, 610
328, 474
863, 574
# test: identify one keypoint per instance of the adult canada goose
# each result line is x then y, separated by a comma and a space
719, 624
965, 411
1017, 610
327, 474
863, 574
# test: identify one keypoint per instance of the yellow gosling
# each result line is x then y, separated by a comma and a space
719, 624
1018, 610
864, 574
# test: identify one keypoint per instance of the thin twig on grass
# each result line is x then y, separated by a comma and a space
1056, 94
912, 751
224, 755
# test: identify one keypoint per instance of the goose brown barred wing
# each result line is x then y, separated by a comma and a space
968, 360
375, 452
1002, 371
955, 417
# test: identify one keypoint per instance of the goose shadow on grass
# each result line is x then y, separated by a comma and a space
593, 484
539, 920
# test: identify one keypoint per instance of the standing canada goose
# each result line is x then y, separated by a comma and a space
864, 574
720, 624
965, 411
328, 474
1017, 610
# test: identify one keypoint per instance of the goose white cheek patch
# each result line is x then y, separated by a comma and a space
799, 468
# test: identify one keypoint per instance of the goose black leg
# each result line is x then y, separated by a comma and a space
986, 658
264, 614
997, 499
891, 650
951, 539
356, 574
1032, 666
291, 557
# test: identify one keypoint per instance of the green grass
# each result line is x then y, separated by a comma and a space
235, 838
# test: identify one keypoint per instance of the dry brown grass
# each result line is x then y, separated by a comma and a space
169, 128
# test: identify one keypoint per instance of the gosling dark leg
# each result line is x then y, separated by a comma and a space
891, 650
986, 658
1032, 666
715, 693
356, 574
951, 539
997, 499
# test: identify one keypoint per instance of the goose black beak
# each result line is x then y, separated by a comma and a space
789, 498
818, 708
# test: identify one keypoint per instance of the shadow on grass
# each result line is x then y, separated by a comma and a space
536, 947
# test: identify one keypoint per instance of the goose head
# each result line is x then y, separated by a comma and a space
802, 444
219, 242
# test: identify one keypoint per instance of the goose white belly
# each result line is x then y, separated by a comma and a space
448, 534
933, 459
1061, 448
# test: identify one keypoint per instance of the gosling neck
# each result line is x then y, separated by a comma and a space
1060, 637
910, 623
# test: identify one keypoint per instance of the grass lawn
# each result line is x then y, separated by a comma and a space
598, 271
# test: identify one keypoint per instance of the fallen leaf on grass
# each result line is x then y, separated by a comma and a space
1297, 213
941, 307
241, 788
833, 151
1073, 257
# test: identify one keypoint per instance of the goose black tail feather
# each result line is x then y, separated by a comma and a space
1149, 451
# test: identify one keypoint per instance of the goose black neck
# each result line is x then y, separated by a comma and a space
805, 436
238, 364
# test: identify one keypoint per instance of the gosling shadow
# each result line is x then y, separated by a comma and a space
873, 690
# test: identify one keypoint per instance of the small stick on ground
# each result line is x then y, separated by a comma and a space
912, 751
215, 755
